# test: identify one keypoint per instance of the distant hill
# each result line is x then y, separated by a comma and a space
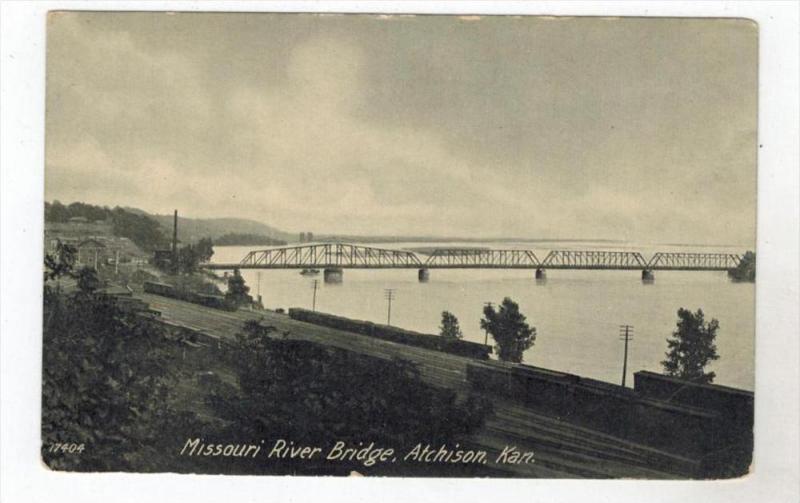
235, 239
143, 231
151, 231
193, 229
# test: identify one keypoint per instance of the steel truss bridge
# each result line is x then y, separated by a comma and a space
349, 256
327, 255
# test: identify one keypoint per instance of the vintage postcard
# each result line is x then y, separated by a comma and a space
397, 245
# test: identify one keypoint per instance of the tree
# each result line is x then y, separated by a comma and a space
88, 281
55, 212
509, 329
188, 259
190, 256
692, 347
204, 249
61, 262
237, 290
449, 327
143, 230
106, 384
746, 270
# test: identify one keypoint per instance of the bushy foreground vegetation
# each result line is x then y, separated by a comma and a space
315, 395
111, 381
107, 381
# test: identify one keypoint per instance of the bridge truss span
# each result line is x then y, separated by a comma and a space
329, 255
581, 259
476, 258
694, 261
337, 256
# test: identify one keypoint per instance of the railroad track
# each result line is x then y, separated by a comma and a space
563, 450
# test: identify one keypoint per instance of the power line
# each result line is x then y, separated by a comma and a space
626, 334
388, 294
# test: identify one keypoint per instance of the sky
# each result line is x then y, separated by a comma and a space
632, 129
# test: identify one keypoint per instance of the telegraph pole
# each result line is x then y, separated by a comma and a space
175, 259
389, 295
258, 288
625, 333
486, 334
314, 285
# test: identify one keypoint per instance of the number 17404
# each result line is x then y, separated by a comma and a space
67, 448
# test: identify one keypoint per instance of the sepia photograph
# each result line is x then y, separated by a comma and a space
401, 251
395, 245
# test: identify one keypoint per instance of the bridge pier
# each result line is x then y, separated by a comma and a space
423, 275
648, 276
333, 275
540, 274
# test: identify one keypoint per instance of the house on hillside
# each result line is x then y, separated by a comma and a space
123, 251
91, 252
75, 231
101, 250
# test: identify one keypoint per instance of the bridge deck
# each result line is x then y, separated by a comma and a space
349, 256
236, 265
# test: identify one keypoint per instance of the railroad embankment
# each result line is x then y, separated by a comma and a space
578, 427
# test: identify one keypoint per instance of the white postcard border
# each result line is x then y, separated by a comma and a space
24, 478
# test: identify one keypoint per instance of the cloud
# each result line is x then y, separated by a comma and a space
335, 124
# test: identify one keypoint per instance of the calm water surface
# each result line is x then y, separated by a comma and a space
576, 313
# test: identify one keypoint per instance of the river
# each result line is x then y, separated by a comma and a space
576, 313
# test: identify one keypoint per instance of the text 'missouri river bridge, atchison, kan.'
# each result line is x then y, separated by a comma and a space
334, 257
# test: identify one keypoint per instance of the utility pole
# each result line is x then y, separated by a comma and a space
175, 264
625, 333
258, 289
486, 334
314, 285
389, 295
175, 232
